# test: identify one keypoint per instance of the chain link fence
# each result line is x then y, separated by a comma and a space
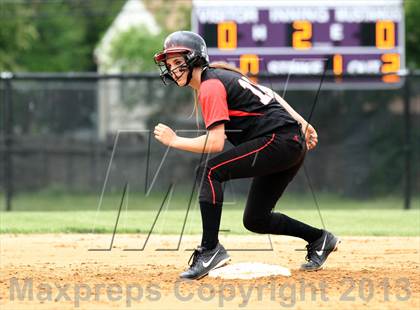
84, 132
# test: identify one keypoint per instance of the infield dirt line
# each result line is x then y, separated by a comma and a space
366, 272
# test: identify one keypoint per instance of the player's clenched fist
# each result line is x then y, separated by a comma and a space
311, 137
164, 134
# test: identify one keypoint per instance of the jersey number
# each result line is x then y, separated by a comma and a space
264, 93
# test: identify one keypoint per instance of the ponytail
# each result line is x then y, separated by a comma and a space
226, 66
197, 122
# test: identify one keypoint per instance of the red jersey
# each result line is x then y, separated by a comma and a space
247, 109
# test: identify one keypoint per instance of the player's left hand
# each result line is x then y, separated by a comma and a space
311, 137
164, 134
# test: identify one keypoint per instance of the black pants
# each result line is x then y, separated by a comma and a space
272, 160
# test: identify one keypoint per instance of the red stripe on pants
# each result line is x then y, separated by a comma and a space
233, 159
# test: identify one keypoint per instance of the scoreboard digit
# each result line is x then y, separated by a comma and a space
338, 64
249, 63
227, 35
302, 34
385, 34
297, 36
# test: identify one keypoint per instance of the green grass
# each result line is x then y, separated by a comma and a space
58, 212
59, 201
361, 222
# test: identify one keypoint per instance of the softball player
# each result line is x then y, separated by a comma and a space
268, 146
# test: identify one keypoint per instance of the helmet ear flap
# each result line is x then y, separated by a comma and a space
194, 60
190, 59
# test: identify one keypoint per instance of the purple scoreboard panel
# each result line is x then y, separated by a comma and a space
297, 37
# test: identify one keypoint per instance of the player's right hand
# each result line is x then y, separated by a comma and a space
164, 134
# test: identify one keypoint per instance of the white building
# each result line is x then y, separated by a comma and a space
112, 115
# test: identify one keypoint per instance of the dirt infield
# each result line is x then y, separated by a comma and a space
58, 272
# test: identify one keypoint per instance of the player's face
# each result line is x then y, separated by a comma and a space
178, 69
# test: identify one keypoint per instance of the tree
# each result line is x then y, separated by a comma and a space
60, 44
97, 17
412, 15
16, 34
53, 35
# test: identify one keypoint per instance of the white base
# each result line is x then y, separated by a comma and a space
249, 271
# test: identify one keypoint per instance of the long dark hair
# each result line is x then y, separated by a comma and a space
226, 66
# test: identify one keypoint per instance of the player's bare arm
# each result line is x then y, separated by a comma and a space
311, 135
212, 142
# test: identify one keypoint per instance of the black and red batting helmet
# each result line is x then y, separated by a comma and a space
191, 45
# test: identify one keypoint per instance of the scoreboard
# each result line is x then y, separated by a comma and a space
297, 37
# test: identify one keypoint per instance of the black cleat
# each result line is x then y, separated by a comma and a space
319, 250
204, 260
